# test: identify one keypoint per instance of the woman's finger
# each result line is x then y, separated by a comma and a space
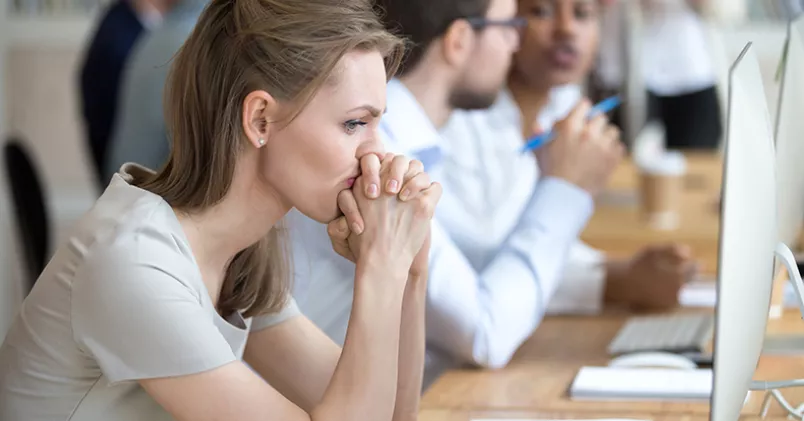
412, 187
396, 173
348, 205
370, 171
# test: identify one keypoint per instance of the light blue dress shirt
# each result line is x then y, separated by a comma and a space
140, 133
490, 183
478, 310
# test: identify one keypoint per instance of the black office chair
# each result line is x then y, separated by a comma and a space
29, 208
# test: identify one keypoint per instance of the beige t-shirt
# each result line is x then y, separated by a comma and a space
121, 300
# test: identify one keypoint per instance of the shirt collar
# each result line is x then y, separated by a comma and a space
407, 126
562, 100
505, 111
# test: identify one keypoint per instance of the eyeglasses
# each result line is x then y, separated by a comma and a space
479, 23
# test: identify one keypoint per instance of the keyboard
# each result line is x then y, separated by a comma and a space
682, 333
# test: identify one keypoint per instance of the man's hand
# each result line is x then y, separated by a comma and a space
652, 279
584, 153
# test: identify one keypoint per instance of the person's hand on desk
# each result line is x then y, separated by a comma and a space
398, 176
584, 152
652, 279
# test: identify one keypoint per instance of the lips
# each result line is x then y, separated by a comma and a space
351, 181
564, 56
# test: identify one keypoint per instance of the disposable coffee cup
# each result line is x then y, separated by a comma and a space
661, 184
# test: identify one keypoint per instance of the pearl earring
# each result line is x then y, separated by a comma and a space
261, 142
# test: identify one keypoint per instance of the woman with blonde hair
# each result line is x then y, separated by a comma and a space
175, 280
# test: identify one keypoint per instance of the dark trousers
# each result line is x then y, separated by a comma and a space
691, 121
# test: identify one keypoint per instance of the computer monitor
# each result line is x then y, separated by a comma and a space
790, 139
748, 238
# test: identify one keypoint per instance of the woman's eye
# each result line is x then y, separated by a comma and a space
352, 126
541, 11
583, 13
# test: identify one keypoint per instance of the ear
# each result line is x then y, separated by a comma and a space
458, 42
259, 111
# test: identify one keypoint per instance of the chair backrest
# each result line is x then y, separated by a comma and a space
29, 208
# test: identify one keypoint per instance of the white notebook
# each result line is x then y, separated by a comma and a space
704, 295
605, 383
523, 419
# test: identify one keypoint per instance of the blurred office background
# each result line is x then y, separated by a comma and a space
43, 42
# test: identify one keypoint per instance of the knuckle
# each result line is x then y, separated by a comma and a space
332, 230
436, 190
342, 197
422, 181
346, 200
421, 208
401, 163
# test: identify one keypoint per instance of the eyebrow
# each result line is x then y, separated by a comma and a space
371, 109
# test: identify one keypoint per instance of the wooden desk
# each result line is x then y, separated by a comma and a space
535, 384
617, 227
450, 415
541, 372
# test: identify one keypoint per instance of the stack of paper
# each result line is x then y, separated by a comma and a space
522, 419
703, 294
606, 383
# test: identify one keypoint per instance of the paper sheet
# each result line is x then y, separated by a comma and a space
636, 384
704, 294
525, 419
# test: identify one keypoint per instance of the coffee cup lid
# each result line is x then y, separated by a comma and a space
669, 163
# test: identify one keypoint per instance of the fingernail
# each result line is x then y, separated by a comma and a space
356, 228
372, 191
343, 225
392, 186
404, 195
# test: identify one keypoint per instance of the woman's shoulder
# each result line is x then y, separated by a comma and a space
130, 230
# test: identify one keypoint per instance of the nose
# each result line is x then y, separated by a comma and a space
565, 22
372, 145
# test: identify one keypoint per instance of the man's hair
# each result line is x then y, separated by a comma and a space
423, 21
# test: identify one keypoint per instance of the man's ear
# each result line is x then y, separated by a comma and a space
259, 112
458, 42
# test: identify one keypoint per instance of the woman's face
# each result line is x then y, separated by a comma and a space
560, 42
316, 156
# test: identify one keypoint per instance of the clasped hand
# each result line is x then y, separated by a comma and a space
386, 215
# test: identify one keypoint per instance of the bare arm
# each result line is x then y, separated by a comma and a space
411, 349
296, 358
363, 386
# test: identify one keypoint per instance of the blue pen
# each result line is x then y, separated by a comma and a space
601, 107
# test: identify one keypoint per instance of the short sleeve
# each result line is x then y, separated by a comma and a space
137, 309
265, 321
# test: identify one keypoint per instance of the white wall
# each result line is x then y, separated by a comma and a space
8, 294
45, 111
768, 41
39, 92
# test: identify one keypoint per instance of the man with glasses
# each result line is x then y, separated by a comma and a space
558, 50
480, 308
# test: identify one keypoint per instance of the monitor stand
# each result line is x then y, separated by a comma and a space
788, 344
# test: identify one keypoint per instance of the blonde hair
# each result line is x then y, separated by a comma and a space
287, 48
